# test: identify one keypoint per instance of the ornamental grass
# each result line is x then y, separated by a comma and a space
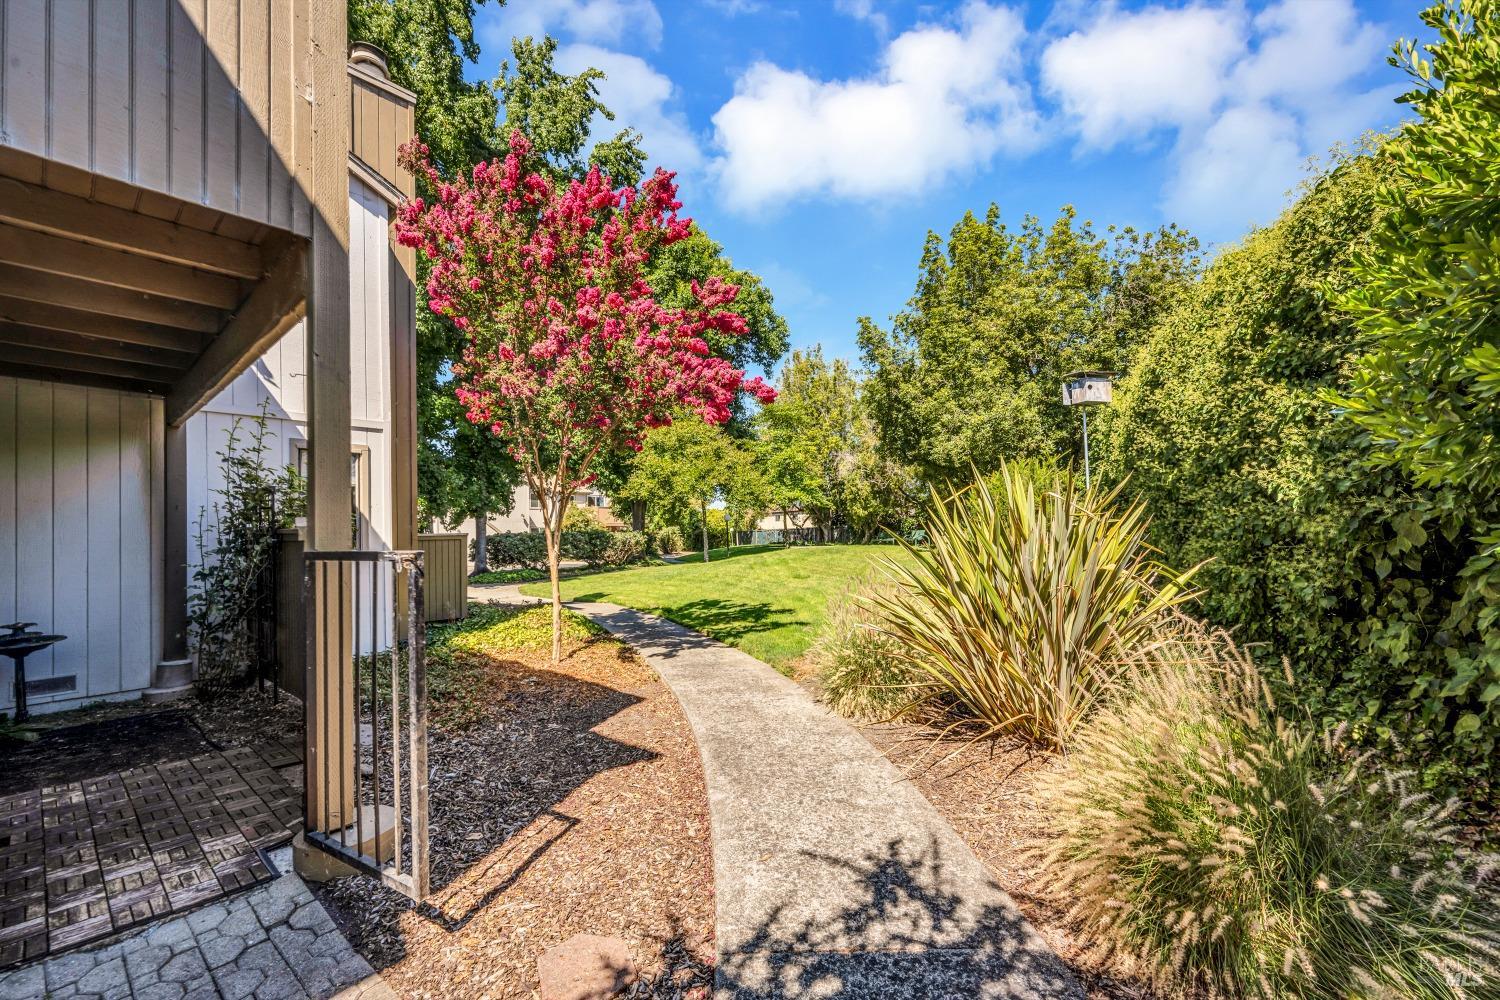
1207, 839
860, 668
1017, 613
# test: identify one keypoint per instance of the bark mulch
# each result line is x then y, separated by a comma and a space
564, 800
987, 791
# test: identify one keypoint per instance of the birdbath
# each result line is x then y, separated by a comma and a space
18, 645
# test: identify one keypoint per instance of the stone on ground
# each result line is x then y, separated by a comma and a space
585, 967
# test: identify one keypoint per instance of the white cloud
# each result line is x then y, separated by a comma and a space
640, 97
1249, 100
606, 22
1128, 74
1243, 164
946, 98
864, 10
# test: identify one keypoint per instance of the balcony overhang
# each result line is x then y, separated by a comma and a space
104, 283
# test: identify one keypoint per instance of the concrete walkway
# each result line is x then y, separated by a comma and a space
835, 877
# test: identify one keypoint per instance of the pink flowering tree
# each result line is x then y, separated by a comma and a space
569, 355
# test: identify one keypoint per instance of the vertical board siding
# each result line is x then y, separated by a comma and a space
103, 529
110, 150
278, 382
193, 98
150, 122
9, 524
70, 538
80, 549
445, 566
69, 88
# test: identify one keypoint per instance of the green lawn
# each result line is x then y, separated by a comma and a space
769, 601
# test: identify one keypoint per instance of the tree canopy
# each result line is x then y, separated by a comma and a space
1427, 298
971, 370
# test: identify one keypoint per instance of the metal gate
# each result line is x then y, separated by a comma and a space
366, 702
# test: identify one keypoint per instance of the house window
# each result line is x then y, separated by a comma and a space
359, 487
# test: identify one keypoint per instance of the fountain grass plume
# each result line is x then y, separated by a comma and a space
1208, 838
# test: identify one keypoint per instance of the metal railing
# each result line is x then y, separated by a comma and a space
366, 703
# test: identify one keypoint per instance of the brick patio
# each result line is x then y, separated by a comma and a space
83, 860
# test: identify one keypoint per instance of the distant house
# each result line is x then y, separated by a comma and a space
526, 515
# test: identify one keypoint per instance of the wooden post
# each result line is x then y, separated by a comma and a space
330, 772
174, 643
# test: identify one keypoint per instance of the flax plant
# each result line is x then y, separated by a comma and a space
1016, 615
1207, 839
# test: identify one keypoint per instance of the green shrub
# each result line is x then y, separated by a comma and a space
860, 667
669, 540
587, 544
625, 547
577, 518
235, 539
1376, 587
527, 549
1019, 606
1207, 839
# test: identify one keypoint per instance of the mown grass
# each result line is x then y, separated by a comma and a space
771, 602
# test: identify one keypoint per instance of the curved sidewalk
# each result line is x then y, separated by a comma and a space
835, 878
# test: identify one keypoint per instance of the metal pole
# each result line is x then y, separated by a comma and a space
1087, 483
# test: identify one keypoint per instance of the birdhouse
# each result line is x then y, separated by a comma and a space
1087, 388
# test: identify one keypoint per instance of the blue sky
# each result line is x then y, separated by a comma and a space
820, 141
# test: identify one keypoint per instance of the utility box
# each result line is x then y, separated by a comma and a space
1087, 388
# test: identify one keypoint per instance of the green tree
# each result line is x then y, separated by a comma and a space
971, 371
556, 112
875, 491
807, 434
682, 469
462, 472
1427, 292
1362, 577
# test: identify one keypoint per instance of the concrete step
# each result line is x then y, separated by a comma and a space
172, 673
157, 695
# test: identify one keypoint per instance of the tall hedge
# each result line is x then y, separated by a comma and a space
1359, 574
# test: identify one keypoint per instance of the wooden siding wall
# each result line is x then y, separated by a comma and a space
380, 120
278, 381
445, 575
80, 534
193, 98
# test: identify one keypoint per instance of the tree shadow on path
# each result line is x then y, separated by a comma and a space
906, 931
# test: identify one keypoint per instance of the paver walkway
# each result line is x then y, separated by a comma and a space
81, 860
835, 877
275, 942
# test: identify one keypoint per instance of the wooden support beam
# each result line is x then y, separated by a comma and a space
39, 357
55, 255
325, 174
20, 335
49, 211
70, 293
43, 373
125, 331
275, 305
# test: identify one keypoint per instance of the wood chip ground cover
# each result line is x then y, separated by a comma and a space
564, 800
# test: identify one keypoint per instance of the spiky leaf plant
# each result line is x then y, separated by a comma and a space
1018, 611
1207, 839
